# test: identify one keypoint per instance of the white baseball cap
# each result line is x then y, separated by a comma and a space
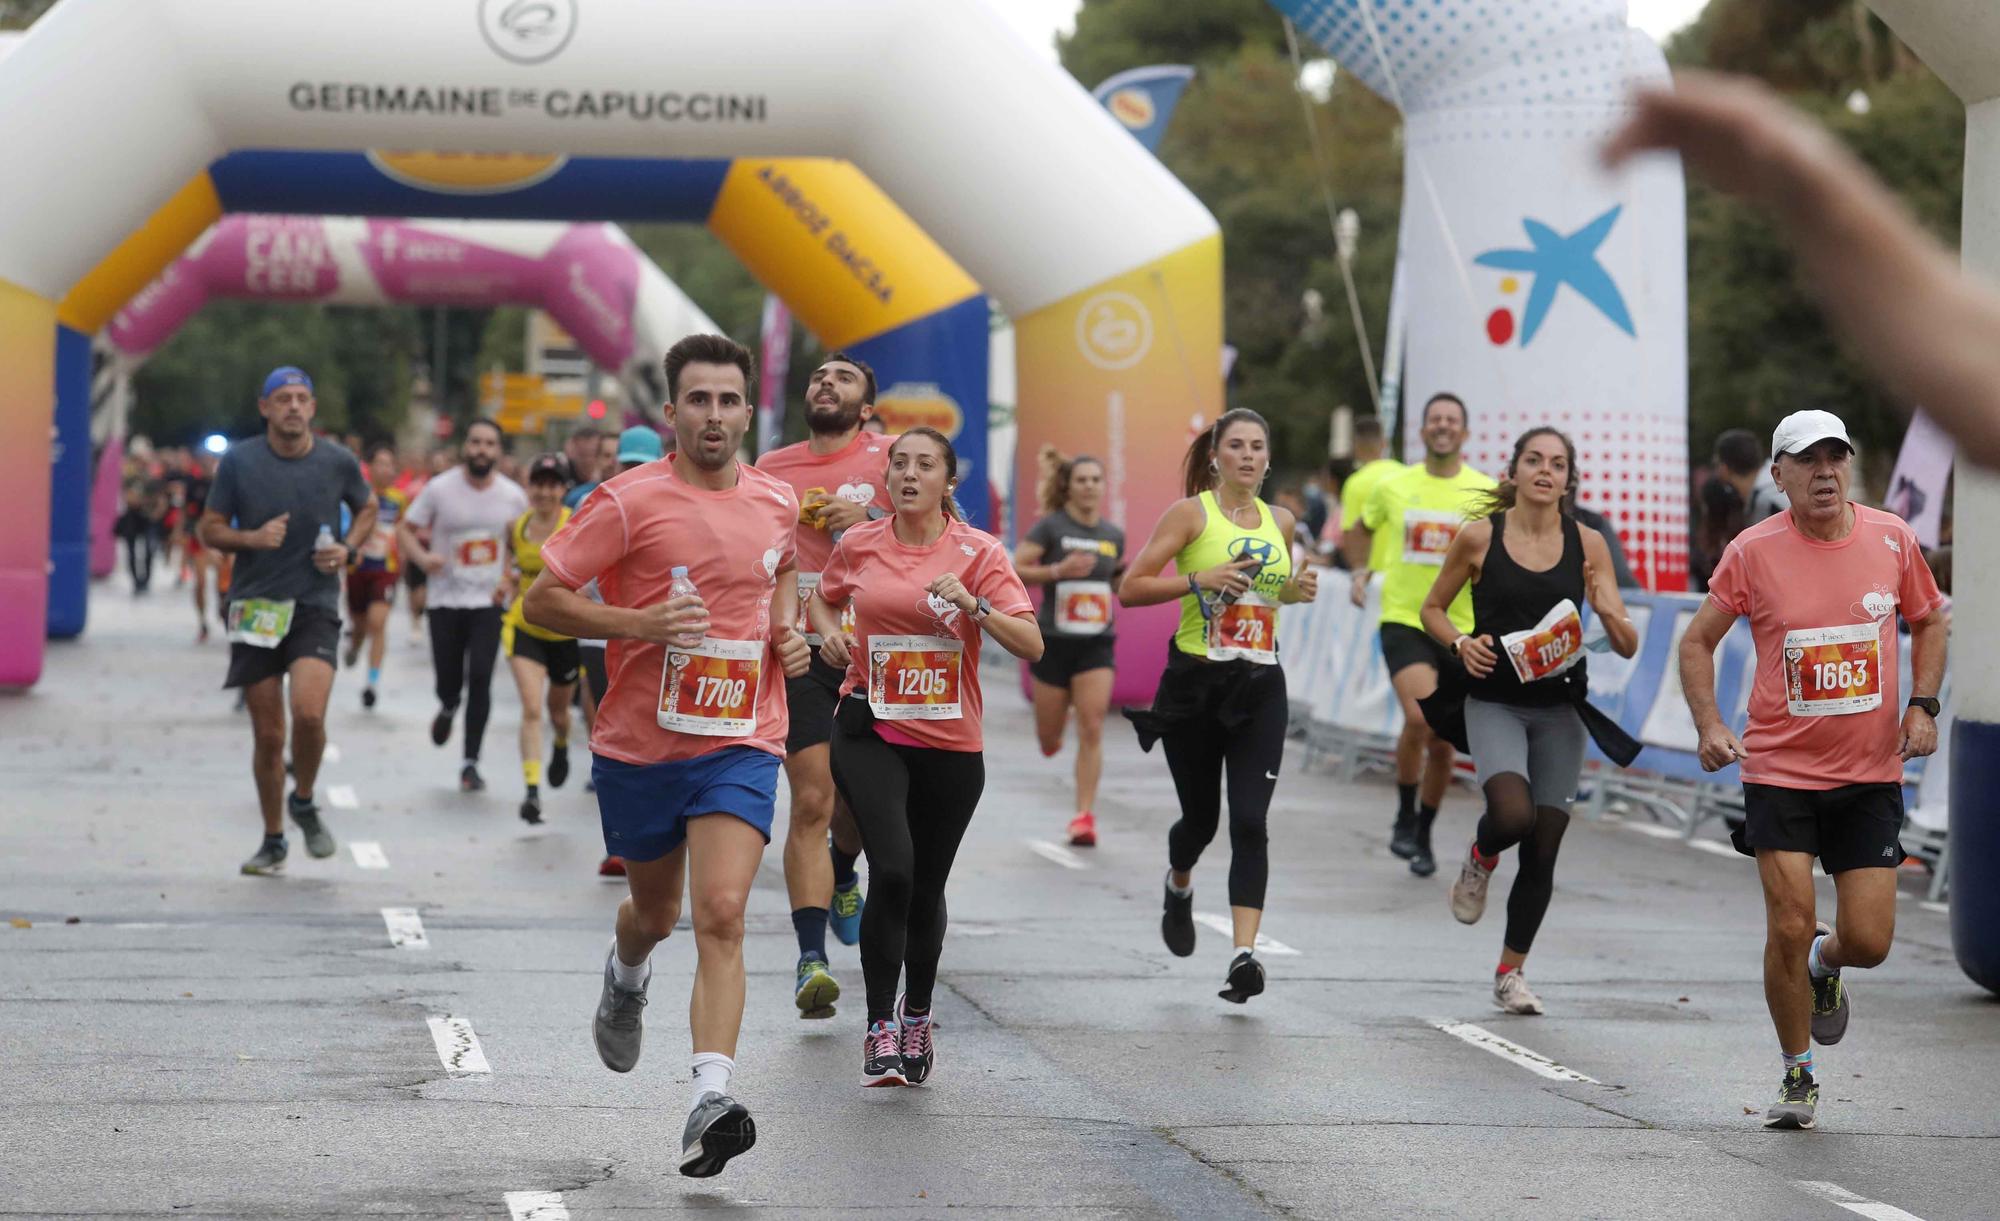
1797, 432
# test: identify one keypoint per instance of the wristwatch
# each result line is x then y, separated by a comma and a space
980, 609
1929, 703
1454, 644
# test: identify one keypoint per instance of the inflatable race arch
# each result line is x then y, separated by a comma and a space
119, 156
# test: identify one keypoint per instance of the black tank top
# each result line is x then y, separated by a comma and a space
1510, 598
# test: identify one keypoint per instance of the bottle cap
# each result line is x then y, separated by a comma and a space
680, 570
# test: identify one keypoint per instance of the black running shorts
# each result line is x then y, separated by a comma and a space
1856, 826
559, 657
315, 636
1404, 646
810, 698
1065, 657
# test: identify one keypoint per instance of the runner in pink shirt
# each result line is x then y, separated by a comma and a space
906, 753
1822, 758
688, 736
840, 474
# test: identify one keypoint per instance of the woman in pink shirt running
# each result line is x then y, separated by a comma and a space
906, 751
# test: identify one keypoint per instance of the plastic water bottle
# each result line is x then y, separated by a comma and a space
325, 538
683, 587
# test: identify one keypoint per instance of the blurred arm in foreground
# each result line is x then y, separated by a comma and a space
1895, 295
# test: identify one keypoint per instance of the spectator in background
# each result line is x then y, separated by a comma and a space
585, 451
1292, 497
1370, 468
1621, 569
1722, 500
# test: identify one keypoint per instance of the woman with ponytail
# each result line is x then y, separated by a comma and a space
1221, 707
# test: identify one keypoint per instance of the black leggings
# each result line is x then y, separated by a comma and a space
1198, 752
464, 644
1513, 818
912, 805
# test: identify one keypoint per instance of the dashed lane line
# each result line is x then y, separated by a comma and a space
1834, 1193
1049, 851
368, 854
406, 928
457, 1047
1265, 945
1534, 1061
536, 1206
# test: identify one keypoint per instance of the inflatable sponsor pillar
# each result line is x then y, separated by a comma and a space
69, 488
1960, 40
1539, 289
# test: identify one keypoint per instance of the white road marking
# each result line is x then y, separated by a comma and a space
368, 854
1533, 1061
1717, 847
406, 928
1221, 924
341, 797
457, 1047
1654, 829
1834, 1193
1057, 853
1942, 909
330, 755
536, 1206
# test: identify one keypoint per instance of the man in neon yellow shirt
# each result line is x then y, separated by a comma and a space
1371, 467
1412, 518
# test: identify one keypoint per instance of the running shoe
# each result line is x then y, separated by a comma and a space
319, 841
531, 808
718, 1129
1403, 836
1829, 1016
201, 637
882, 1055
844, 915
441, 726
1177, 921
1511, 993
353, 653
1468, 894
368, 697
618, 1027
817, 989
1423, 864
558, 766
1246, 979
919, 1044
1083, 830
270, 858
1798, 1098
611, 867
469, 779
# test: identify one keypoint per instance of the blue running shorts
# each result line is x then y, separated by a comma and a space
645, 807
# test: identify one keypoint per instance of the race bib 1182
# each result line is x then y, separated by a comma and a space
1548, 648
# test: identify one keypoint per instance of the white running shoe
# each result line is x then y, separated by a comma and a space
1511, 993
1468, 894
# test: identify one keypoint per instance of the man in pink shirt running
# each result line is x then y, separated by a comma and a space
1822, 757
689, 734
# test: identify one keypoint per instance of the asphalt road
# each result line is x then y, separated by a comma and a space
177, 1039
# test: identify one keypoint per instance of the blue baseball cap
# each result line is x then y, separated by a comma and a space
285, 375
639, 444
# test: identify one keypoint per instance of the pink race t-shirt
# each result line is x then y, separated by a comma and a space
1826, 709
857, 472
918, 656
629, 534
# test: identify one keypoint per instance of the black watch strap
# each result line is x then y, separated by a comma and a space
1929, 703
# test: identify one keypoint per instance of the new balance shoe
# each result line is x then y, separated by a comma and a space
319, 842
1083, 830
1245, 980
816, 989
1177, 921
919, 1044
269, 859
882, 1055
1511, 992
1798, 1100
1829, 1015
619, 1024
843, 916
718, 1129
1468, 894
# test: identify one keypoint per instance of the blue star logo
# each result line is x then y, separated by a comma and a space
1555, 260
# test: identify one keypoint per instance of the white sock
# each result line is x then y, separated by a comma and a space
1814, 964
629, 977
1246, 949
712, 1071
1180, 892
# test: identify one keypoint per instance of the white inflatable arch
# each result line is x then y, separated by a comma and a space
1110, 267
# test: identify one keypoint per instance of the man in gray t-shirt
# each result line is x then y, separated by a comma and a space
275, 505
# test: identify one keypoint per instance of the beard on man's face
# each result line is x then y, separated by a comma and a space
480, 467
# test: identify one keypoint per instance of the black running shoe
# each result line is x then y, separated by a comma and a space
1798, 1100
882, 1055
469, 779
1403, 837
919, 1045
441, 726
1422, 863
1246, 979
531, 807
1177, 922
718, 1129
558, 767
368, 697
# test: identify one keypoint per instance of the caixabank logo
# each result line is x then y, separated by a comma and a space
1553, 260
527, 31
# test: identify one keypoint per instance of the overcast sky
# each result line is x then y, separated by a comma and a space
1039, 20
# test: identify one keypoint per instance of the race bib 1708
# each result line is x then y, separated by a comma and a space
1833, 671
711, 689
914, 678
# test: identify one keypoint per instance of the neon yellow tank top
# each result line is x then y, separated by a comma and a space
1219, 542
528, 560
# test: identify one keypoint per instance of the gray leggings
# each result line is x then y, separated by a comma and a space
1528, 760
